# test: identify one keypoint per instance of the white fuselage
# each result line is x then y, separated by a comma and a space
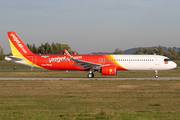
144, 62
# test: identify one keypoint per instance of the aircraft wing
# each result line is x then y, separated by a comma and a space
84, 64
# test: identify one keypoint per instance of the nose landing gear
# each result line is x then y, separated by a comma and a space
156, 74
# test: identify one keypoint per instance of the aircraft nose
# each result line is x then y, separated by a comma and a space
174, 65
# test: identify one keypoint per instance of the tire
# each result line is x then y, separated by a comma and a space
90, 75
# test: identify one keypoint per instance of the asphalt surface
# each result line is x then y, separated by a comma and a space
97, 78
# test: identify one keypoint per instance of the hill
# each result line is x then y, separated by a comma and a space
132, 50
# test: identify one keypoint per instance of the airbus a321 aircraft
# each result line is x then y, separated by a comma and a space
105, 64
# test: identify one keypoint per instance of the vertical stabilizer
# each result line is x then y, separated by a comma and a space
18, 48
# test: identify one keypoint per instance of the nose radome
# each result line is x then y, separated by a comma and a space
174, 65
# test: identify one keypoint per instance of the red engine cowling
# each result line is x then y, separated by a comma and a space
108, 70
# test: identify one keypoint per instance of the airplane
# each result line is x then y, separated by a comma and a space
105, 64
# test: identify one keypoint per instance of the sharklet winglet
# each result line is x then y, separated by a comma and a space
67, 54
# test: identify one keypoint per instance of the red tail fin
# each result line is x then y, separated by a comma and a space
18, 48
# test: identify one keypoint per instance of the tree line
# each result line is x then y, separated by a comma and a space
58, 48
170, 53
46, 48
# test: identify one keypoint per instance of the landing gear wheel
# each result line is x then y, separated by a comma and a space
156, 74
90, 75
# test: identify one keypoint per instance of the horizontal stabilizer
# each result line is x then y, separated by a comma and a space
13, 59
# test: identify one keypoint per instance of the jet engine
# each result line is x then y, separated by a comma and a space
108, 70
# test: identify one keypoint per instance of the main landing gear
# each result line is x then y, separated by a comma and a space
156, 74
91, 75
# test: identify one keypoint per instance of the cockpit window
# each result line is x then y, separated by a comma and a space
166, 60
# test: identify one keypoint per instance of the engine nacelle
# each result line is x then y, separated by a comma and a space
108, 70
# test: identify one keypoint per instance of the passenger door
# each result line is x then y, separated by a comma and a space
157, 61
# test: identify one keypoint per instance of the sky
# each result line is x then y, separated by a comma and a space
92, 25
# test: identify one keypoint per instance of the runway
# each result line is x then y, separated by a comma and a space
83, 78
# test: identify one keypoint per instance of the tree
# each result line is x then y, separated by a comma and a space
51, 51
57, 48
41, 49
118, 51
1, 53
150, 51
171, 53
139, 51
60, 48
145, 50
46, 48
68, 48
160, 50
156, 50
178, 55
34, 49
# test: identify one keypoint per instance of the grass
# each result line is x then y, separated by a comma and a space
9, 66
123, 100
110, 99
